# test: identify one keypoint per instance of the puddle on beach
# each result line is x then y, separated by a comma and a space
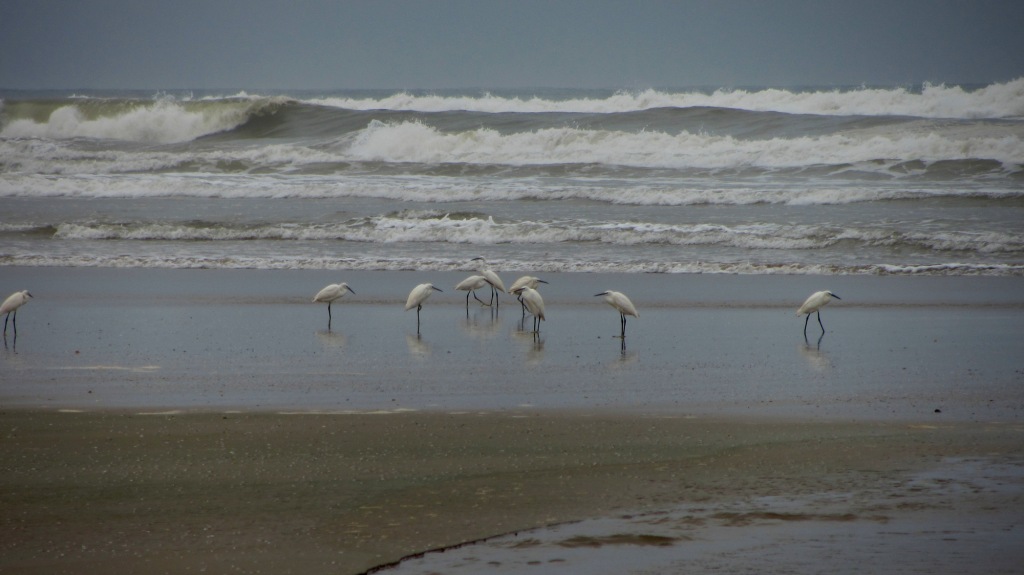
964, 516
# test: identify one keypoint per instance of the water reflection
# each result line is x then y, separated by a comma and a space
332, 339
811, 352
535, 351
417, 347
626, 356
481, 324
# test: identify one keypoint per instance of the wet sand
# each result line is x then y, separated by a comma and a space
125, 492
182, 421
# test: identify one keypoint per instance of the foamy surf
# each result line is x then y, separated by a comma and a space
886, 180
1000, 100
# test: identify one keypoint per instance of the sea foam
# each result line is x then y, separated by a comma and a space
998, 100
162, 121
417, 142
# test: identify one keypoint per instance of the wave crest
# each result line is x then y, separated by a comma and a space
998, 100
428, 226
162, 121
414, 141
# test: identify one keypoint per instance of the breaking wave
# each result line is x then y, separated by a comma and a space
436, 227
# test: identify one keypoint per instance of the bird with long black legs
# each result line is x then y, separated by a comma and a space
417, 296
621, 303
330, 294
534, 304
525, 281
470, 285
492, 278
11, 305
813, 304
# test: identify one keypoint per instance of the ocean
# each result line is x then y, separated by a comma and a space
837, 181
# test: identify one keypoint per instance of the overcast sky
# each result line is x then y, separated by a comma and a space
322, 44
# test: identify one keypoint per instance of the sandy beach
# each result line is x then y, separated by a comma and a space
185, 421
120, 492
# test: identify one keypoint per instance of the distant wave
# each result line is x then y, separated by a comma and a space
418, 142
168, 120
1000, 100
408, 144
418, 226
436, 264
162, 121
691, 192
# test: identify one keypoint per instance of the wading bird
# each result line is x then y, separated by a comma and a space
814, 304
534, 304
470, 285
525, 281
621, 303
11, 305
329, 294
492, 278
417, 296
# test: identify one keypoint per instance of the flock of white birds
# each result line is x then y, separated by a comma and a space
524, 288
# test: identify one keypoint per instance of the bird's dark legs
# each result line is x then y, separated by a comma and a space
494, 296
418, 308
807, 319
7, 317
328, 316
819, 321
623, 316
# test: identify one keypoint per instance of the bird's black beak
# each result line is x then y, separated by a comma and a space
835, 296
350, 289
541, 281
437, 288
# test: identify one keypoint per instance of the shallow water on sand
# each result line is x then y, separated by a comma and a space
934, 522
895, 347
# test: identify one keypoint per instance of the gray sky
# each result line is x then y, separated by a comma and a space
319, 44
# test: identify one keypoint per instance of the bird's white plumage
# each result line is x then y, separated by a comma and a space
418, 295
332, 292
472, 283
533, 302
525, 281
492, 277
15, 300
816, 301
620, 302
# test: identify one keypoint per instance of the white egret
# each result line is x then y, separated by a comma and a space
417, 296
492, 278
470, 285
329, 294
814, 303
534, 304
525, 281
621, 303
11, 305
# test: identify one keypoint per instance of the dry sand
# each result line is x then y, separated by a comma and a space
263, 492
